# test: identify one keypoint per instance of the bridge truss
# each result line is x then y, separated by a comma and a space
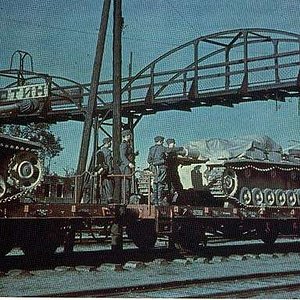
224, 68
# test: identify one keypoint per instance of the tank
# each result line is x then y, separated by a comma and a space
248, 171
20, 167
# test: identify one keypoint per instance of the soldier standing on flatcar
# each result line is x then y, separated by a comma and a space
107, 183
126, 162
173, 179
157, 163
100, 169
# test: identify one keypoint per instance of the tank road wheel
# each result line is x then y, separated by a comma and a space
297, 192
229, 182
2, 187
280, 197
268, 233
25, 170
269, 197
143, 234
245, 196
257, 197
291, 198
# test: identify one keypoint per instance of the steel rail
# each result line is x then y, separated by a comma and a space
183, 284
249, 293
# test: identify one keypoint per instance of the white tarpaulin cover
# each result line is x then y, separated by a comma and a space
253, 147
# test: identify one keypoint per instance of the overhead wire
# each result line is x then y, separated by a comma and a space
82, 31
181, 15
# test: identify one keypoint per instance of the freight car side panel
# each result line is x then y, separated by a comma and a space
143, 211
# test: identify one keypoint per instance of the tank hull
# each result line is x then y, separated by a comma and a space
249, 182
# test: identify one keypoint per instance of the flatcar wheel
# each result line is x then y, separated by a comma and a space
6, 239
42, 246
41, 241
280, 197
6, 246
291, 198
143, 234
268, 233
188, 245
39, 250
186, 239
5, 249
269, 197
245, 196
257, 197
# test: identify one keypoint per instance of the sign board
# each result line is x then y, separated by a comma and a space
24, 92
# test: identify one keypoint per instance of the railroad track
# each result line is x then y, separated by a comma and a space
90, 257
219, 287
85, 258
235, 276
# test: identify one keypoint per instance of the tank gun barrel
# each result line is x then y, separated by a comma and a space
192, 153
23, 107
8, 108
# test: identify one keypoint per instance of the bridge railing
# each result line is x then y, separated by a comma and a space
249, 59
221, 68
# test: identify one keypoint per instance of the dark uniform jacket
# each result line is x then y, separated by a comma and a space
126, 155
172, 159
108, 159
157, 156
100, 162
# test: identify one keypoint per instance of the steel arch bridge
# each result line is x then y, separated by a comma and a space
224, 68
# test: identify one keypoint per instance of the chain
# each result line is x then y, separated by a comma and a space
265, 169
14, 197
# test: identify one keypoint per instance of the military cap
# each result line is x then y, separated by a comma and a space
106, 140
126, 132
159, 139
170, 141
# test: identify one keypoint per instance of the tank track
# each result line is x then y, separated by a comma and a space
14, 197
22, 173
218, 190
226, 184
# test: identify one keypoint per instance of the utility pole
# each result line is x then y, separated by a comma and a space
117, 227
117, 76
92, 101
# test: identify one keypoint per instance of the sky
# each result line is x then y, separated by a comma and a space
61, 36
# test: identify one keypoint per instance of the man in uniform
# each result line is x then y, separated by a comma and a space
157, 162
126, 162
173, 179
106, 182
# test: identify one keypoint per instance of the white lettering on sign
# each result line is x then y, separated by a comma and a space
24, 92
